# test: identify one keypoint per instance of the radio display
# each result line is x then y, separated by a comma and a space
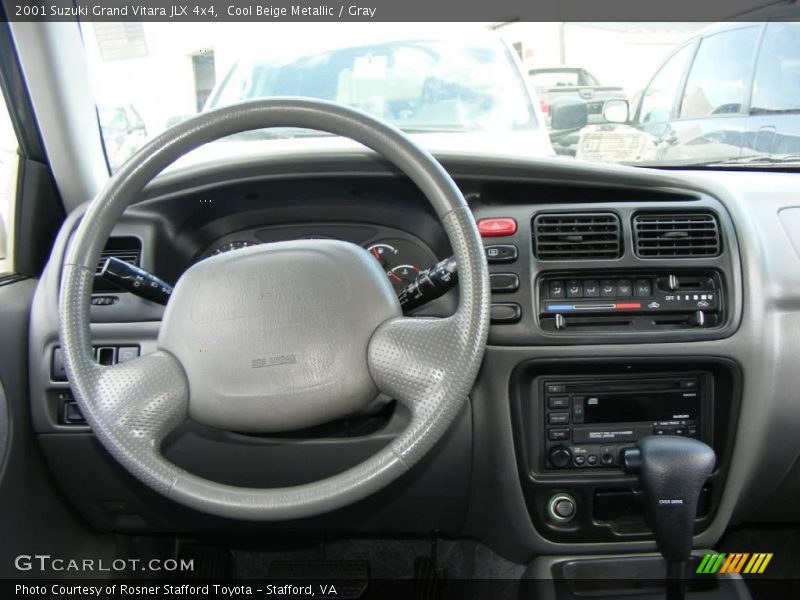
646, 406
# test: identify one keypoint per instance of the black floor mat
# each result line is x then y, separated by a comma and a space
210, 562
349, 577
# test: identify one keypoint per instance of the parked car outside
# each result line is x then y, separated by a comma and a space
558, 85
449, 94
557, 82
729, 94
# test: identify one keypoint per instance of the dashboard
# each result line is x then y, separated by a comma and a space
681, 290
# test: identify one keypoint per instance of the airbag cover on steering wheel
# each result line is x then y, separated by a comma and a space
274, 337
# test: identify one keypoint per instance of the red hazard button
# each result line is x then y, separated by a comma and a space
497, 227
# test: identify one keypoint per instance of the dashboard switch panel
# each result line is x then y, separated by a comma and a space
501, 253
504, 282
497, 227
505, 312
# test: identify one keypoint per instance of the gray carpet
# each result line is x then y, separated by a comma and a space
389, 558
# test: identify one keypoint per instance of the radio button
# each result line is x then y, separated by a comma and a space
558, 434
591, 460
580, 460
660, 430
558, 401
558, 418
560, 457
691, 431
554, 388
577, 409
607, 455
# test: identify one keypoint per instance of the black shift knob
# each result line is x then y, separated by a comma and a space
672, 471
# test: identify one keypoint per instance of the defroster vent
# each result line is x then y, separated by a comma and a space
577, 236
676, 235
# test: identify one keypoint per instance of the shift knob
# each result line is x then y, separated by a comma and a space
672, 471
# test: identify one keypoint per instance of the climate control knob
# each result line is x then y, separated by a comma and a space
560, 457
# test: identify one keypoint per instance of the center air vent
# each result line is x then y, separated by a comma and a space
676, 235
576, 236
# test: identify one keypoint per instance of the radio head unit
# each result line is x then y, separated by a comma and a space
588, 422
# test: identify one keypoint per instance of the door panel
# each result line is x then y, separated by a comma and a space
34, 518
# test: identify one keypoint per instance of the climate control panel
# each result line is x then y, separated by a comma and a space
629, 301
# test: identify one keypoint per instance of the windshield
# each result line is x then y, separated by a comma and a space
665, 94
418, 85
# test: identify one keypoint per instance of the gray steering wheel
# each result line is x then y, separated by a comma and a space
278, 336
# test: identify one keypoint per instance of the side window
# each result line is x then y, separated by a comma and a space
719, 82
777, 83
661, 94
8, 185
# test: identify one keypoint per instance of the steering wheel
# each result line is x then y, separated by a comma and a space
278, 336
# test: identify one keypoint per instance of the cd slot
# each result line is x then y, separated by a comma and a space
628, 386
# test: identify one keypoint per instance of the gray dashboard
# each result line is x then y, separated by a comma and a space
187, 213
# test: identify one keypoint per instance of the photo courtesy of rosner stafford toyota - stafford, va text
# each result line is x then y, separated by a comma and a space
373, 300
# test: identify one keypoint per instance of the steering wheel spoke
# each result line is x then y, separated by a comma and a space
420, 363
132, 407
146, 398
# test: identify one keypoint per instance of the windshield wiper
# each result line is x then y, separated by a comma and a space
433, 129
276, 134
782, 159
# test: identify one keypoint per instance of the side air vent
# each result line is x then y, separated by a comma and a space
571, 236
676, 235
128, 249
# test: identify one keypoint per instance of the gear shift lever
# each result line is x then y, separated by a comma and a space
672, 471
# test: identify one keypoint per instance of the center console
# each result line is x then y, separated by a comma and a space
573, 419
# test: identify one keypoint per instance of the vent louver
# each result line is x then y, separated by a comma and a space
676, 235
128, 249
577, 236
